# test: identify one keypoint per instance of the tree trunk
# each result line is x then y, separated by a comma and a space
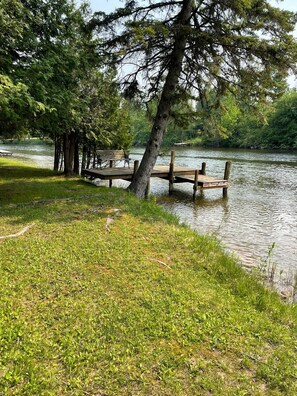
76, 156
68, 148
142, 176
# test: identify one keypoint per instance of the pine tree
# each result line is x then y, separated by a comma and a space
184, 48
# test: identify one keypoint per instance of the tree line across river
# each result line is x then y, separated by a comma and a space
272, 125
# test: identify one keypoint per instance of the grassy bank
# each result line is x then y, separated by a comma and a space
103, 294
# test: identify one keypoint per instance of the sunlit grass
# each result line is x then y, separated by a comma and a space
107, 295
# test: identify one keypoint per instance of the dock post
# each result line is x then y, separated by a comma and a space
203, 169
172, 156
226, 176
195, 187
171, 172
110, 165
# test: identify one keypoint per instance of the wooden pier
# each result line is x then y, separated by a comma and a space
174, 174
5, 153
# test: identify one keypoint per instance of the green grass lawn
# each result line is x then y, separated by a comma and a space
107, 295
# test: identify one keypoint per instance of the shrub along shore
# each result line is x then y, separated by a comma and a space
104, 294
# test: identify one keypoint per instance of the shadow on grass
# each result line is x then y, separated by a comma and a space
28, 190
31, 194
14, 171
60, 200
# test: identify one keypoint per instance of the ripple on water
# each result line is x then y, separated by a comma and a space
261, 208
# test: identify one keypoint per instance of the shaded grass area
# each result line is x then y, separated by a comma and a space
108, 295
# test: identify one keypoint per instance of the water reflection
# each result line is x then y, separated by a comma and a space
261, 208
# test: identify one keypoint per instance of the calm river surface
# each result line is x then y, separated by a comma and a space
261, 208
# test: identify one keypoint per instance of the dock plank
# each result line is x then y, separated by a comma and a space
161, 171
204, 181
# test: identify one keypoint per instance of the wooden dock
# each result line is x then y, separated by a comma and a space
127, 173
5, 153
174, 174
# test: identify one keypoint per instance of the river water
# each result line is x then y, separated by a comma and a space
259, 212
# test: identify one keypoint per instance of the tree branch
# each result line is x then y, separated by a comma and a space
25, 229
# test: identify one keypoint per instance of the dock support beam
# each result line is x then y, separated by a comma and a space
171, 172
226, 176
195, 187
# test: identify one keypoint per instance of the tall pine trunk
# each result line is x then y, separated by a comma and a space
76, 156
141, 179
68, 148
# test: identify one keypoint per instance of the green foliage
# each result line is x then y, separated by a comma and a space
105, 120
51, 83
180, 128
62, 58
17, 108
13, 26
281, 131
219, 37
233, 123
271, 125
141, 126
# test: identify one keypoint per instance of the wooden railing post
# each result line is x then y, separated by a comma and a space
172, 156
226, 176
